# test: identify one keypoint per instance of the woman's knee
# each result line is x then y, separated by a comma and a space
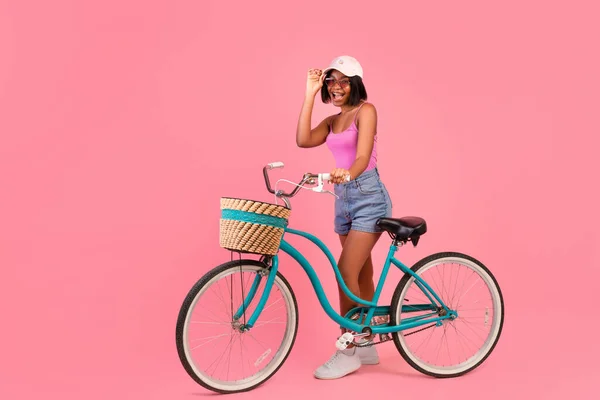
349, 276
365, 276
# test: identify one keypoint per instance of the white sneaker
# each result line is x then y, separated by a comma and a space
368, 355
342, 363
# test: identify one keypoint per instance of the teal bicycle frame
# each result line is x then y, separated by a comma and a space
371, 308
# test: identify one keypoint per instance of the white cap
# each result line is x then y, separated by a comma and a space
347, 65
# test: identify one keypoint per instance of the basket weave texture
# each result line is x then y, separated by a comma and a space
252, 226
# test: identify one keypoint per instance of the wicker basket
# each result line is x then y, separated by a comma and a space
252, 226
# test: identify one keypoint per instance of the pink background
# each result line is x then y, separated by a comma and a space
122, 123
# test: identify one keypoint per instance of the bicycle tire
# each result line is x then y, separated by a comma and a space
400, 337
183, 323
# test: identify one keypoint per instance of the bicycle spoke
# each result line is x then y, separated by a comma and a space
427, 338
221, 298
210, 323
467, 339
446, 342
439, 348
459, 342
464, 283
263, 345
227, 321
242, 347
453, 298
212, 339
272, 304
464, 294
218, 360
269, 322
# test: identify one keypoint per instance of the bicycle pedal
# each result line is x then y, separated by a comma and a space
344, 341
347, 338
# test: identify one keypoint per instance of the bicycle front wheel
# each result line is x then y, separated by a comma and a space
214, 348
455, 346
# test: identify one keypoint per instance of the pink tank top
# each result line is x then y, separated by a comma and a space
343, 146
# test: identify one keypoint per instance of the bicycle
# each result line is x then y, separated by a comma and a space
425, 312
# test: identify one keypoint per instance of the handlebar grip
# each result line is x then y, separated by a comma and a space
277, 164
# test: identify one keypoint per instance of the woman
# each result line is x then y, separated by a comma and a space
351, 135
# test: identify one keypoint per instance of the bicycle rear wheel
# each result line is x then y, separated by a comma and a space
213, 348
457, 346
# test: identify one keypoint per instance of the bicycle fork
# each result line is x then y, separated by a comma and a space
249, 297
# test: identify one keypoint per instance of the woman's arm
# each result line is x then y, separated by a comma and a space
305, 136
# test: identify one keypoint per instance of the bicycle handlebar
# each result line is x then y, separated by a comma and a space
307, 178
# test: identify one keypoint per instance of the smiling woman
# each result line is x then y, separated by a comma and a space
362, 198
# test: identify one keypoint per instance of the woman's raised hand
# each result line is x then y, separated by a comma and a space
314, 82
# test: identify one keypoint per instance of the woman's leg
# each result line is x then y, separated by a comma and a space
356, 267
367, 291
365, 277
356, 251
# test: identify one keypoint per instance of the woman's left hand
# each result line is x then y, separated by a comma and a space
340, 175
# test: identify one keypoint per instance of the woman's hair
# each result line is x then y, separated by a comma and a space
357, 90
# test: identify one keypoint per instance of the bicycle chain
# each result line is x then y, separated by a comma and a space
390, 339
372, 343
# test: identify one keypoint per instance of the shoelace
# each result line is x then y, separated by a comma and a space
333, 358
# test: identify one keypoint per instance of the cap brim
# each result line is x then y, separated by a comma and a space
326, 70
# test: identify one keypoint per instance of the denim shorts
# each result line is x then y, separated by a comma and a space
361, 203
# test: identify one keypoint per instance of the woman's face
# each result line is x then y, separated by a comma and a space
338, 86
